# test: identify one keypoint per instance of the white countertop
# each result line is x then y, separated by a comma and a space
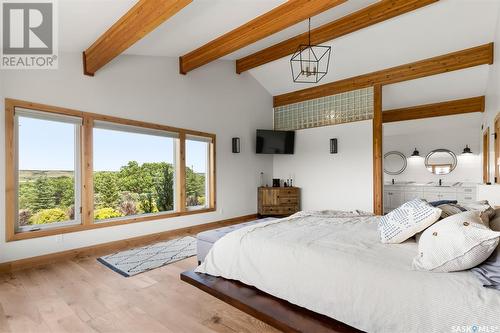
431, 184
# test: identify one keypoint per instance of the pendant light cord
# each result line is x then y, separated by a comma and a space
309, 31
309, 44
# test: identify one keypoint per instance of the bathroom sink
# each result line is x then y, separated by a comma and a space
399, 183
443, 184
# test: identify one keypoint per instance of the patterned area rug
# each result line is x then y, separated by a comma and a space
135, 261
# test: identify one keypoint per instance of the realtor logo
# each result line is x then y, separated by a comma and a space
28, 34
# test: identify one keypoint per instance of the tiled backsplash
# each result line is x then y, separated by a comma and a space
346, 107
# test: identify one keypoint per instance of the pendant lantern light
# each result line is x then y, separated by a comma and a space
310, 62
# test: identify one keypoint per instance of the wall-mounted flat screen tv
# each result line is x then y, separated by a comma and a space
275, 142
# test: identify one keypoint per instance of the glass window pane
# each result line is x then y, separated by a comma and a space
46, 172
134, 174
197, 173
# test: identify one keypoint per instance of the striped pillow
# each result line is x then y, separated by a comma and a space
407, 220
456, 243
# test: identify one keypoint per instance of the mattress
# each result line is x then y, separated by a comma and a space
333, 263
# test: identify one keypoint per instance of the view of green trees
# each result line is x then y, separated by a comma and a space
48, 196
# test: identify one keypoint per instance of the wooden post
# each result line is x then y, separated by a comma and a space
378, 206
181, 169
87, 212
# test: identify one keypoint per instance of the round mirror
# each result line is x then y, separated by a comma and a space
441, 161
394, 163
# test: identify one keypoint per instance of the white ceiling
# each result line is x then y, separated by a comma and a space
195, 25
458, 123
443, 27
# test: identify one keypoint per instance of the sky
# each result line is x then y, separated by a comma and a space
49, 145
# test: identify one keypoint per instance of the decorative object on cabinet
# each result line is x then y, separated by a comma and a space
333, 146
441, 161
262, 180
396, 195
394, 163
467, 150
279, 201
236, 145
415, 153
276, 182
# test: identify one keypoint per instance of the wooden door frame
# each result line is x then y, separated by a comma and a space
486, 156
496, 130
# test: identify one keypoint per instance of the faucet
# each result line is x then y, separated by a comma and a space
440, 182
392, 181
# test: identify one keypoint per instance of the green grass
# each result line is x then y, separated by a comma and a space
31, 175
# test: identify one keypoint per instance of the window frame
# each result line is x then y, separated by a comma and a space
208, 175
25, 113
86, 171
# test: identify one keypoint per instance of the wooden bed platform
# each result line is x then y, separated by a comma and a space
274, 311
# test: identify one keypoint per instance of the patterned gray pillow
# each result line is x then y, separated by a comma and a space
450, 209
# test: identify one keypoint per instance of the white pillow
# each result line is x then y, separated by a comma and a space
456, 243
407, 220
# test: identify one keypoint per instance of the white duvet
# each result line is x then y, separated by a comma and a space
334, 264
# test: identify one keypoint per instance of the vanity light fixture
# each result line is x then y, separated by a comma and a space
467, 150
415, 153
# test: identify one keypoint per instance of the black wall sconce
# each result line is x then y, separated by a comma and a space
467, 150
236, 145
333, 146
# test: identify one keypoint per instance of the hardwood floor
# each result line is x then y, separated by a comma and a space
82, 295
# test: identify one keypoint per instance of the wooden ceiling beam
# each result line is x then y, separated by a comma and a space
373, 14
475, 56
140, 20
279, 18
448, 108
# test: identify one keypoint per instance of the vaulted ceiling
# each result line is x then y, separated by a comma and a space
439, 28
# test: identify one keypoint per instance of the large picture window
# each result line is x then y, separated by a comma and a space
69, 170
134, 171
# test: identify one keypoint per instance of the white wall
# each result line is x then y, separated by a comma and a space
212, 99
452, 132
331, 181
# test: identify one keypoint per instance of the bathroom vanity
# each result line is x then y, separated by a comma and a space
438, 162
400, 192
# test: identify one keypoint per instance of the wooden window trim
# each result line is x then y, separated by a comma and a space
486, 156
87, 187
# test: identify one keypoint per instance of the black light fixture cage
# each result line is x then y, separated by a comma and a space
310, 63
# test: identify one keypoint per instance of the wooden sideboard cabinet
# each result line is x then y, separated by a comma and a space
280, 201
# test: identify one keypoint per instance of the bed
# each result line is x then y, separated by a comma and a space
333, 264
